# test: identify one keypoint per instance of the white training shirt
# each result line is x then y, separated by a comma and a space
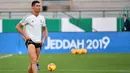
33, 26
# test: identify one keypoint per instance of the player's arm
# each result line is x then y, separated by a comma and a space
45, 34
20, 30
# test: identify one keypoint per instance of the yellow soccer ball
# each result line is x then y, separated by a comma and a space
83, 51
51, 67
73, 51
80, 51
77, 51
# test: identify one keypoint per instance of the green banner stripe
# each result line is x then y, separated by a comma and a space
83, 23
120, 24
53, 25
10, 24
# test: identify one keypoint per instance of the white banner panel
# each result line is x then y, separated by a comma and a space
104, 24
0, 25
69, 27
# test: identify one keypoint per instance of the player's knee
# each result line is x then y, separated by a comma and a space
34, 60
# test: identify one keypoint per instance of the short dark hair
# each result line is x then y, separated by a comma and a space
124, 15
34, 2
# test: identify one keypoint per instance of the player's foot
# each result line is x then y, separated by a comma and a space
38, 67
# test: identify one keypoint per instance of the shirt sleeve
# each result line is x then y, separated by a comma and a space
44, 22
23, 21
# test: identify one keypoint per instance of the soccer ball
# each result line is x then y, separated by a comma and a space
20, 52
51, 67
80, 51
73, 51
83, 51
77, 51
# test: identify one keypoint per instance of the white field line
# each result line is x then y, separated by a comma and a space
5, 56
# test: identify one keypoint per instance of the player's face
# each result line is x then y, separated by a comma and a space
123, 17
36, 7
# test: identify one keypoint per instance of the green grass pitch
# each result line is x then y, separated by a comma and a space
68, 63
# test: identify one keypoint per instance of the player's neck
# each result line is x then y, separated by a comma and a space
125, 19
35, 13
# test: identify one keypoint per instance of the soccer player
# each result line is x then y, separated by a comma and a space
33, 24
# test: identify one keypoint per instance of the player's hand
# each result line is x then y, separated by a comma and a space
26, 38
42, 42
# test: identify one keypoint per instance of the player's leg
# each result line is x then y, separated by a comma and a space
33, 57
38, 55
30, 68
